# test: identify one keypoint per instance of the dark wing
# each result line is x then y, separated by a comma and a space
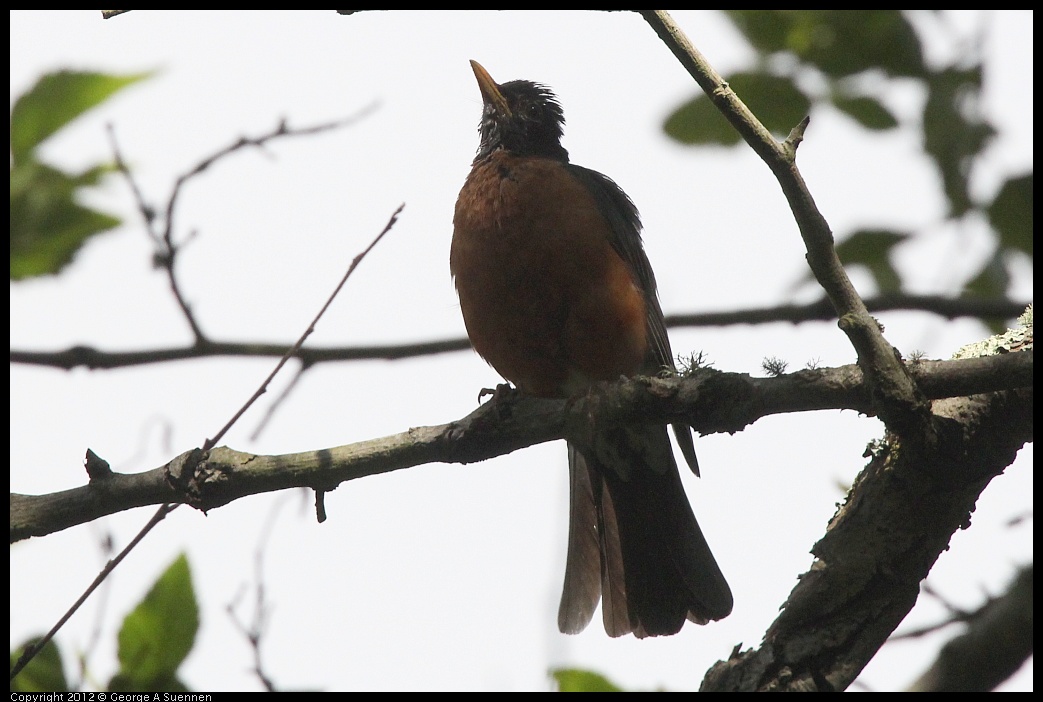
623, 216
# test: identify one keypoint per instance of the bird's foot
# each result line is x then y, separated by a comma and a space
502, 398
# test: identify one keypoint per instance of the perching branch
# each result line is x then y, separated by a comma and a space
222, 475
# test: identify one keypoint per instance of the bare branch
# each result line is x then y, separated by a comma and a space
995, 645
164, 237
895, 396
211, 479
91, 357
100, 474
32, 649
897, 520
210, 443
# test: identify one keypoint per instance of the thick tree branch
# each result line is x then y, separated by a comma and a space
209, 480
996, 643
883, 541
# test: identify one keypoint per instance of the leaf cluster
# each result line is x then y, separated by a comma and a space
153, 642
48, 223
849, 60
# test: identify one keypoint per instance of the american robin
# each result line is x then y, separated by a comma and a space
557, 294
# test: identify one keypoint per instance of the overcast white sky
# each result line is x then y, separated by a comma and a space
447, 577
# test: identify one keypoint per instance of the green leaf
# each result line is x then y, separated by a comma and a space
157, 636
698, 122
954, 131
44, 672
993, 279
122, 682
775, 100
867, 111
872, 248
1011, 214
57, 99
48, 226
837, 42
767, 30
576, 680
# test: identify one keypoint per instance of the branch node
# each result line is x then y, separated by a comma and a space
796, 136
320, 506
181, 472
97, 467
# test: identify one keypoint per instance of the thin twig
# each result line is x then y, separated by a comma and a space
31, 650
820, 311
166, 251
164, 239
896, 398
34, 648
291, 352
255, 631
278, 401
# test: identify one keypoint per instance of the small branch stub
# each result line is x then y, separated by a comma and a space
97, 467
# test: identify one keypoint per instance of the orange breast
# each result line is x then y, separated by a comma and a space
545, 298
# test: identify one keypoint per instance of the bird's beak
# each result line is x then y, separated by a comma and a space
491, 94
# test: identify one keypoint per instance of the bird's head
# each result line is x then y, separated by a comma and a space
519, 116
